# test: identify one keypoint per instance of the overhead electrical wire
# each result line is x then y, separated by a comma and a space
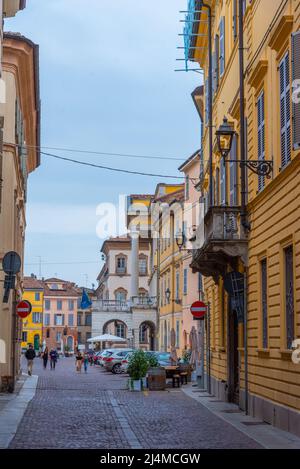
109, 168
102, 153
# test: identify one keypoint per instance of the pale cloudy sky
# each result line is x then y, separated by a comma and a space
107, 84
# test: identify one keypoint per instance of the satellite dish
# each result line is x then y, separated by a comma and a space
11, 263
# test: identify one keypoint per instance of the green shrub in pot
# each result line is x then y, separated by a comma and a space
137, 368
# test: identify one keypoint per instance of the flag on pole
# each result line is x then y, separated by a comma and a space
85, 300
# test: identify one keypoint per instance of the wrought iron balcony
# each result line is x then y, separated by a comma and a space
220, 241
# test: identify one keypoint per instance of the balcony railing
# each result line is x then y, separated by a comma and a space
220, 240
124, 306
149, 301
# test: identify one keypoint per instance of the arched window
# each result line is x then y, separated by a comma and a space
120, 330
120, 294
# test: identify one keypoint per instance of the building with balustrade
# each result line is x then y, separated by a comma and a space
247, 245
124, 307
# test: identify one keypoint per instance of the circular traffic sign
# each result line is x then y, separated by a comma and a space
199, 310
11, 263
23, 309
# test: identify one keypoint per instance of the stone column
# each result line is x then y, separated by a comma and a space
134, 284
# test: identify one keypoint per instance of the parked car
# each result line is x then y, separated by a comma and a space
95, 357
125, 361
103, 355
164, 358
113, 361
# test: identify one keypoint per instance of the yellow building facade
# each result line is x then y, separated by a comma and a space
168, 264
263, 243
32, 331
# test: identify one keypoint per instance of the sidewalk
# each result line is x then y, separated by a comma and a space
13, 406
266, 435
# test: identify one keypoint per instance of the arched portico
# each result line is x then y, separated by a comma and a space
147, 335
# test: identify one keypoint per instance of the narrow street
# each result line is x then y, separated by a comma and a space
95, 410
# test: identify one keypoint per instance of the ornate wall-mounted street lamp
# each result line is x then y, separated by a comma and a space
225, 135
180, 239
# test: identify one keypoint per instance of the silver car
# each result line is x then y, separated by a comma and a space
113, 362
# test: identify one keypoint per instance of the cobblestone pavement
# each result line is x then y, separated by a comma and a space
94, 410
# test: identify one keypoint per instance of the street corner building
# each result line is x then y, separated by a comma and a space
32, 331
19, 123
60, 315
247, 245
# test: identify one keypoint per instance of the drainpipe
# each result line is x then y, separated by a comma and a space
244, 221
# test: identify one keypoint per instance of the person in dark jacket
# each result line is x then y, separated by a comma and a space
53, 359
45, 357
30, 356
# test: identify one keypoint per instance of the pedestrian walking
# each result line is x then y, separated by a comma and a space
79, 358
53, 358
85, 362
30, 356
45, 357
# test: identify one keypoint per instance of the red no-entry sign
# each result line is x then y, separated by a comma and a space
23, 309
199, 310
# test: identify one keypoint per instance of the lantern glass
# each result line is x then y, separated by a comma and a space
225, 136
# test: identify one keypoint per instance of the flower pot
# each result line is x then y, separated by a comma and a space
134, 384
144, 383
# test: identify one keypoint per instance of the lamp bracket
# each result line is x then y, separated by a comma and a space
260, 167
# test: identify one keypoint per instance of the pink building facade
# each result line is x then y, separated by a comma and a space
60, 315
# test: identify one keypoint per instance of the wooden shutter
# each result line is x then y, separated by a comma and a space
233, 173
285, 110
264, 303
206, 101
223, 183
296, 76
222, 46
261, 134
289, 296
217, 54
235, 19
217, 201
214, 84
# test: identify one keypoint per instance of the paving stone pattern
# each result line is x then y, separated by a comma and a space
95, 410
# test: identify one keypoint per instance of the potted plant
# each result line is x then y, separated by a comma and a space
137, 369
